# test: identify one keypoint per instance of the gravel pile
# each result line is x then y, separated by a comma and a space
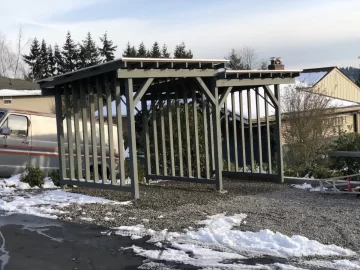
330, 219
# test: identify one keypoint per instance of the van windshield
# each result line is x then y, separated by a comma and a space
1, 115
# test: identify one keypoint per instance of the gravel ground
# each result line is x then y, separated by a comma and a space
330, 219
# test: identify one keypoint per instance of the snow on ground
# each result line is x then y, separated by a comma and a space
40, 202
307, 186
218, 242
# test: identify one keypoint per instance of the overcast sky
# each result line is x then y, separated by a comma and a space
305, 33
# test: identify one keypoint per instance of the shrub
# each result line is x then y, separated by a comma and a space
55, 177
346, 142
141, 170
34, 176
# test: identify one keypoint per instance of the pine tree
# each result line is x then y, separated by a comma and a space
107, 50
155, 51
235, 62
130, 51
70, 54
51, 62
164, 52
89, 54
141, 51
59, 63
181, 52
44, 61
33, 60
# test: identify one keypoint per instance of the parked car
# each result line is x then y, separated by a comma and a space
30, 138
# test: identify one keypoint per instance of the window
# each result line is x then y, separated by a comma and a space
7, 100
18, 125
2, 114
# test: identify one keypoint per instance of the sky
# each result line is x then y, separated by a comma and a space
305, 33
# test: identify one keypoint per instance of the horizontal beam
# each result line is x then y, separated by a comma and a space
142, 90
66, 181
253, 82
182, 179
166, 73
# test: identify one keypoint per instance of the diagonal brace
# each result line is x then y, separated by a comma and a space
271, 95
206, 90
224, 95
142, 90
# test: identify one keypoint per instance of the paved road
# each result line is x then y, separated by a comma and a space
28, 242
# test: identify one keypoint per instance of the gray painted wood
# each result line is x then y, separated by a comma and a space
165, 73
132, 138
171, 135
253, 82
145, 110
112, 170
242, 130
84, 116
280, 166
258, 120
142, 90
225, 95
206, 90
69, 128
251, 139
187, 132
75, 101
196, 133
211, 136
154, 124
94, 148
101, 130
163, 139
120, 134
268, 142
178, 124
227, 134
206, 135
60, 136
234, 130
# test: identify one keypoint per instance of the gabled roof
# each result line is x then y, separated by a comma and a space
17, 84
312, 76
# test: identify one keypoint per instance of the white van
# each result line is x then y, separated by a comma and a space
30, 138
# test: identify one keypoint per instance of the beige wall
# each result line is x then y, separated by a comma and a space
337, 85
31, 103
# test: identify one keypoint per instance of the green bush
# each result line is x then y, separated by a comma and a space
346, 142
34, 176
55, 177
141, 170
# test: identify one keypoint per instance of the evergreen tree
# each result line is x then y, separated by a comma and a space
155, 51
148, 54
107, 50
51, 62
44, 60
69, 54
141, 51
181, 52
130, 51
164, 52
89, 54
33, 60
235, 61
59, 64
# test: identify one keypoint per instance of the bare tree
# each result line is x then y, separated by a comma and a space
19, 49
7, 57
307, 124
243, 59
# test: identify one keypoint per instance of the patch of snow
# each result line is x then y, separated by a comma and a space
108, 214
108, 218
307, 186
13, 93
145, 220
132, 218
87, 218
13, 183
346, 263
161, 216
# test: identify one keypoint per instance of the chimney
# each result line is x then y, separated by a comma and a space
276, 64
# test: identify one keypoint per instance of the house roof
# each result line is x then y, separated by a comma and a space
17, 84
312, 76
13, 93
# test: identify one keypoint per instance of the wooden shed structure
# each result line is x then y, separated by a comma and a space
173, 86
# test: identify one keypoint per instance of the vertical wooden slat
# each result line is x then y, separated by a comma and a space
171, 135
120, 134
69, 133
146, 137
101, 130
242, 130
258, 119
60, 135
112, 172
251, 139
217, 138
206, 136
196, 132
187, 132
94, 145
84, 116
178, 123
234, 121
227, 134
163, 139
211, 139
278, 134
154, 124
268, 133
132, 138
75, 101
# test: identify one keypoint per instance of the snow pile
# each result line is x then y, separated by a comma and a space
46, 203
217, 243
14, 183
307, 186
